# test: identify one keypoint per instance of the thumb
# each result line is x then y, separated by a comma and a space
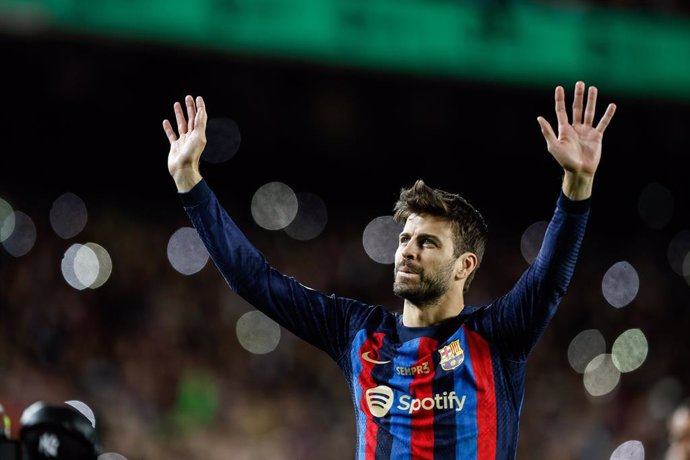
547, 131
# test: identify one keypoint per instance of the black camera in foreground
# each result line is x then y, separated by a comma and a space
51, 432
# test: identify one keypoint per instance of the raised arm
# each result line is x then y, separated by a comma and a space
577, 148
186, 146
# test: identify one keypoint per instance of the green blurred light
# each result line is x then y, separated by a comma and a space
197, 401
633, 53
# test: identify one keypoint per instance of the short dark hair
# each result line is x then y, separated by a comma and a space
470, 231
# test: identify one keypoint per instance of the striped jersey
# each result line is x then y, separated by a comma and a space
450, 391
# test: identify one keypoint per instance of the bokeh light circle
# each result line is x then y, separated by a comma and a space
664, 397
584, 347
68, 215
6, 220
620, 284
111, 456
67, 267
105, 265
629, 450
84, 409
186, 252
531, 240
601, 376
222, 140
678, 249
311, 217
23, 236
380, 239
629, 350
86, 265
685, 268
274, 206
257, 333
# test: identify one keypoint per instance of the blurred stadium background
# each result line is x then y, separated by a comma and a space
320, 111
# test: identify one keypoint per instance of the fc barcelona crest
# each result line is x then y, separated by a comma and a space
451, 355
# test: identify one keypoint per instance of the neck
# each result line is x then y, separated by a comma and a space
431, 314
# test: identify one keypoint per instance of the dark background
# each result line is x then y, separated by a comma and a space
85, 114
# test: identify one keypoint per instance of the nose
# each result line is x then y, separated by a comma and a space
408, 251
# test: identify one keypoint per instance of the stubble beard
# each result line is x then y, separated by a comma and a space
428, 290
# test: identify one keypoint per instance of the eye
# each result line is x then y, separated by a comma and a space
404, 239
429, 242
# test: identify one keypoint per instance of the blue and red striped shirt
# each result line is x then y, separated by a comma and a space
451, 391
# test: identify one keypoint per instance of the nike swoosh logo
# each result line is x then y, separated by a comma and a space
365, 357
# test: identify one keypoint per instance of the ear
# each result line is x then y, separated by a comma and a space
465, 265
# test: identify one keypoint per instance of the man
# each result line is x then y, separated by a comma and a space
442, 380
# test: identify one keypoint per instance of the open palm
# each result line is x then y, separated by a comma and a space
187, 145
577, 148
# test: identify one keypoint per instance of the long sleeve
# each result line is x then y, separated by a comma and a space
324, 321
516, 321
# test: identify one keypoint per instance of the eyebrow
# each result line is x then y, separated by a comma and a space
430, 236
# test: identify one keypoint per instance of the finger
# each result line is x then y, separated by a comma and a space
591, 105
547, 131
577, 102
200, 102
606, 119
191, 112
561, 114
167, 127
179, 117
201, 115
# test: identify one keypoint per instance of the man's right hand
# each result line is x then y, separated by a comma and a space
186, 146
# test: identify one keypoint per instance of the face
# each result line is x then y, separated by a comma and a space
424, 260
